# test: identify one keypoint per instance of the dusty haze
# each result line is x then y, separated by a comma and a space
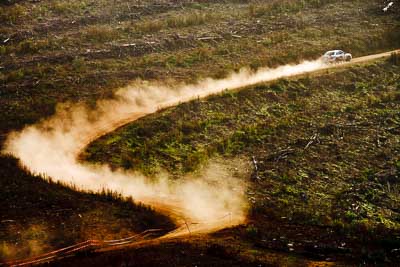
215, 199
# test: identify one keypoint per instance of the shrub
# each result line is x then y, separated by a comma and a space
395, 58
178, 21
11, 14
195, 18
252, 232
3, 50
27, 46
257, 10
15, 75
78, 64
101, 33
33, 46
350, 215
68, 7
274, 7
149, 26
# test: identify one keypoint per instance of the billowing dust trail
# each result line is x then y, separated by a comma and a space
202, 204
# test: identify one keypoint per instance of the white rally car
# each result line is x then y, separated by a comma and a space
336, 56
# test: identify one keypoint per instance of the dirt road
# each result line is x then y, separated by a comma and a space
371, 57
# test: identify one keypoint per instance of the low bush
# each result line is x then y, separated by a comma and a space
176, 21
101, 33
395, 58
11, 14
68, 7
252, 232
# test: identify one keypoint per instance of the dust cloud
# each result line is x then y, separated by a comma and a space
52, 146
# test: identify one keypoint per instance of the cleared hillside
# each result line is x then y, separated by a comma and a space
326, 145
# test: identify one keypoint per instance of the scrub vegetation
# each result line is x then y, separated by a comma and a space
326, 145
